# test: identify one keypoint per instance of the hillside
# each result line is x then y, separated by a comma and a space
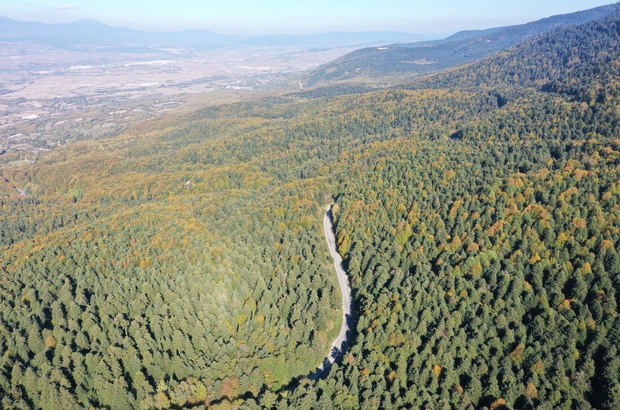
395, 61
182, 264
579, 61
484, 256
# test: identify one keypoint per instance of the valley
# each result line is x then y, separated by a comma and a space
51, 97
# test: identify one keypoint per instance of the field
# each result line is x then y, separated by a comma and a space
51, 97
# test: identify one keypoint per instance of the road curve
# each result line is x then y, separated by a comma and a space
344, 337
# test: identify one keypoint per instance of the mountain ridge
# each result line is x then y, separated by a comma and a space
93, 32
423, 58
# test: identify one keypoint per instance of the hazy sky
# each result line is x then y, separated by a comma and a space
295, 16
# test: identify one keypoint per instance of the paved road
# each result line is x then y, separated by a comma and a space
21, 191
344, 337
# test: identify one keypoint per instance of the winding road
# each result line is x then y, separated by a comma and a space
21, 191
344, 337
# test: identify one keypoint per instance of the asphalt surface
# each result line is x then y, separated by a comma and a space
344, 337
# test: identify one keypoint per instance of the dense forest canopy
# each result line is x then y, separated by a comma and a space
183, 264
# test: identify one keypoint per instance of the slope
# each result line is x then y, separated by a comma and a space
421, 58
485, 261
184, 257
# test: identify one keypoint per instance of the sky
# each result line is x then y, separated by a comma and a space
295, 16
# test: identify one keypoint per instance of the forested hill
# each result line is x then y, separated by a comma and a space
182, 264
577, 60
484, 256
408, 60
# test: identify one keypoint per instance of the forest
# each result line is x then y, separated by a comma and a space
182, 264
394, 63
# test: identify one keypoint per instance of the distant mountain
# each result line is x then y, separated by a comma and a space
430, 56
90, 32
93, 33
335, 39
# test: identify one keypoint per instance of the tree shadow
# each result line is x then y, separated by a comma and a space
337, 353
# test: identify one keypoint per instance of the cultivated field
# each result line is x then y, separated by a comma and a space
51, 97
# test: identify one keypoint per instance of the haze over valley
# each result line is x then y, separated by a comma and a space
62, 83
